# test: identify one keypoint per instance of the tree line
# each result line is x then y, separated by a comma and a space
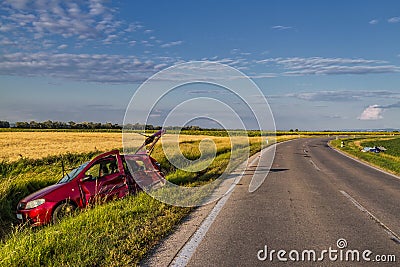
60, 125
88, 125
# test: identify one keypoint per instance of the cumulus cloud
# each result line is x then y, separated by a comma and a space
375, 112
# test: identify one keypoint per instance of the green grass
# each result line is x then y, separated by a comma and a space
20, 178
392, 145
118, 233
389, 160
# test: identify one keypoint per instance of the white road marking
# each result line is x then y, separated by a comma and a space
315, 165
190, 247
392, 235
187, 251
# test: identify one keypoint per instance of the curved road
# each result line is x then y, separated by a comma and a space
312, 197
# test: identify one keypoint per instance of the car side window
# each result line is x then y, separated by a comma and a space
103, 168
93, 171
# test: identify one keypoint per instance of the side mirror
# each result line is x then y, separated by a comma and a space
87, 178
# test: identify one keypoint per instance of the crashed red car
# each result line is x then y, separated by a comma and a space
108, 176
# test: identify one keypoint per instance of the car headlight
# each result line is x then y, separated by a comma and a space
34, 203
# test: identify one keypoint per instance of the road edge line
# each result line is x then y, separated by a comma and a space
184, 255
393, 236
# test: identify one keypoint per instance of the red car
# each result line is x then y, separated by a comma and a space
105, 177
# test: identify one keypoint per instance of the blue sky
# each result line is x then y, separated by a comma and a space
321, 65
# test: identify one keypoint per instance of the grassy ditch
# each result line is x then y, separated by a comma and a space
388, 160
118, 233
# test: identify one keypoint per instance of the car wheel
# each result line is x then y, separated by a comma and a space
62, 210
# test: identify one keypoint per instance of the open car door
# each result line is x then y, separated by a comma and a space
104, 179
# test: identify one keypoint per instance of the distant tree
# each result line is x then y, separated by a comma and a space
22, 124
149, 127
47, 124
106, 125
4, 124
72, 124
34, 125
291, 130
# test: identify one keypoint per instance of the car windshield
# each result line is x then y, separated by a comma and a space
72, 174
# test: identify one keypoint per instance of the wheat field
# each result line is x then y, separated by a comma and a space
36, 145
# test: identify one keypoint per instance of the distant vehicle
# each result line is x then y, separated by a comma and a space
105, 177
374, 149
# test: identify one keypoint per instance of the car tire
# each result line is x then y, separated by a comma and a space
63, 210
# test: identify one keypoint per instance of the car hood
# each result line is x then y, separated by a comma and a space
42, 192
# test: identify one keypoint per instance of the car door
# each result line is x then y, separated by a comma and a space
103, 181
143, 172
90, 184
113, 182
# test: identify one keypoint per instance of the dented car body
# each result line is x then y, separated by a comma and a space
110, 175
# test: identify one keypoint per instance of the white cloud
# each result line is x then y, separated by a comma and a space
326, 66
343, 95
373, 112
6, 41
100, 68
394, 20
171, 44
110, 39
63, 46
28, 23
19, 4
96, 7
374, 21
281, 27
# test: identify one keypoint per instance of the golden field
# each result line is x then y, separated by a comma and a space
35, 145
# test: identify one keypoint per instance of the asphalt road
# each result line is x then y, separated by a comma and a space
312, 197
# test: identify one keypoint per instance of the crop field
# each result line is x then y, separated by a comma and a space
392, 145
125, 229
36, 145
388, 160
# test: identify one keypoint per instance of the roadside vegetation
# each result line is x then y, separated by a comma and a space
118, 233
388, 160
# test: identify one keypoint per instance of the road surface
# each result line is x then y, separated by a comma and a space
312, 198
